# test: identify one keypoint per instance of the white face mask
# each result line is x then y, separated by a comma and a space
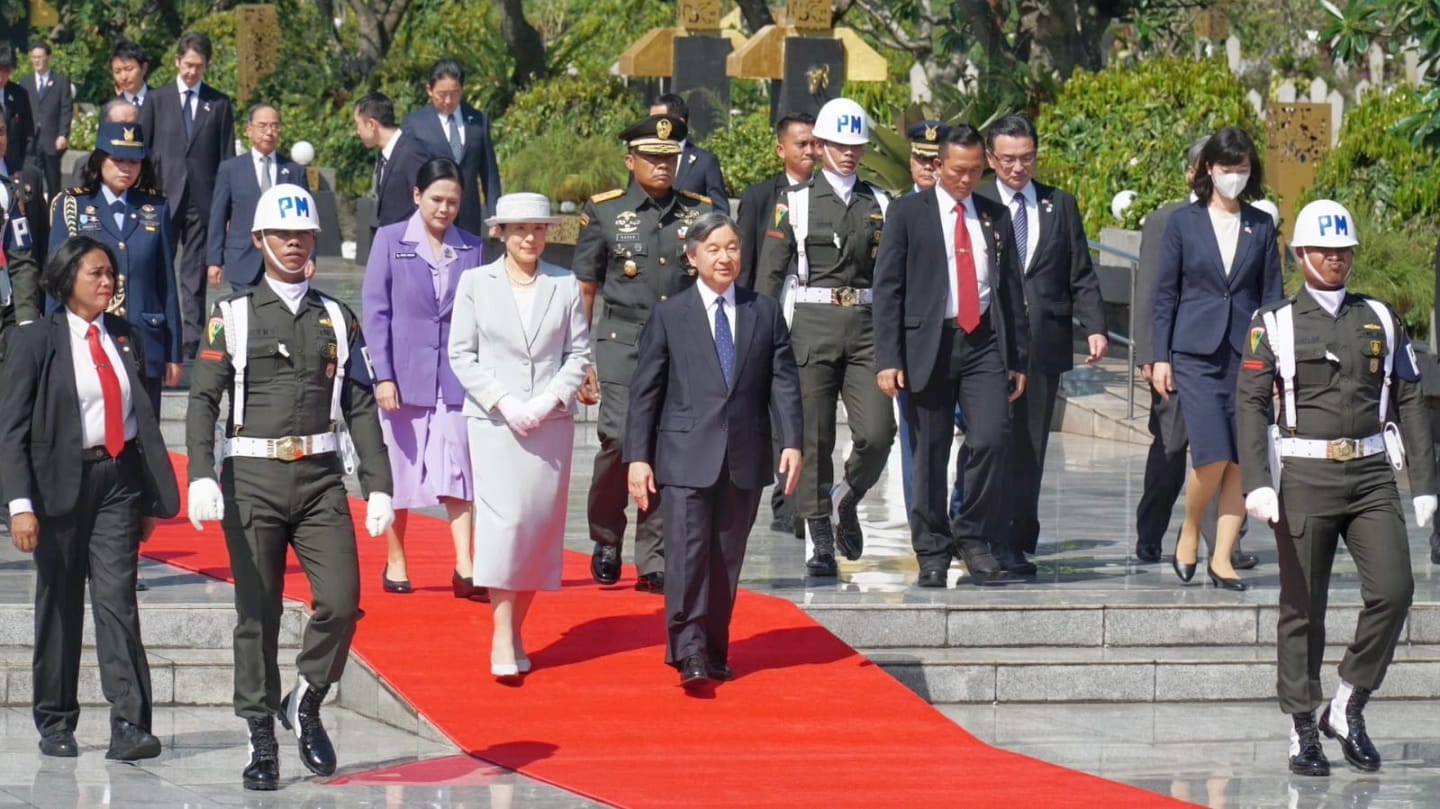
1230, 185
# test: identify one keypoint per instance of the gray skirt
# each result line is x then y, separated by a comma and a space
522, 488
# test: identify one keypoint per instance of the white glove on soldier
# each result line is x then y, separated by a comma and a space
1263, 504
379, 514
516, 414
207, 503
1424, 509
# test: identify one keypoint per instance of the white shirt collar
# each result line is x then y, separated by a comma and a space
947, 202
389, 147
1329, 299
1007, 194
42, 78
255, 154
79, 326
708, 296
179, 82
791, 179
140, 96
110, 196
844, 186
289, 294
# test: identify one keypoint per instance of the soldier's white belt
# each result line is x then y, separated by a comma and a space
289, 448
838, 296
1334, 449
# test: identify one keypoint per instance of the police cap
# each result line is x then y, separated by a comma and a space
121, 141
924, 137
655, 134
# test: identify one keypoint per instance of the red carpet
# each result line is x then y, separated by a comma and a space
807, 722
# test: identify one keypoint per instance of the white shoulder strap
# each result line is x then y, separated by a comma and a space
1387, 323
1280, 326
235, 313
342, 353
800, 225
881, 198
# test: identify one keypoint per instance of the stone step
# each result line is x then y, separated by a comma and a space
162, 625
178, 676
1134, 674
1088, 625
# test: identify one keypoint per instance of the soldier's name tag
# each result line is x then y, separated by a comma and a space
405, 255
89, 223
627, 237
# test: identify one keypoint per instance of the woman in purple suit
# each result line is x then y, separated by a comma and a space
409, 291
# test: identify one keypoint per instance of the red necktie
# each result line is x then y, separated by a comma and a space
110, 389
967, 286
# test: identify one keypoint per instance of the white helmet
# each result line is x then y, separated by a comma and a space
1324, 223
842, 121
286, 207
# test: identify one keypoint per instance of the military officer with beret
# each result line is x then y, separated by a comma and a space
631, 252
302, 415
1324, 467
819, 260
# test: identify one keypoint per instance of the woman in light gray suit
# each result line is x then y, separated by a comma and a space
520, 345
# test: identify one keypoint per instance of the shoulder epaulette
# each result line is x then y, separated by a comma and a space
606, 196
697, 197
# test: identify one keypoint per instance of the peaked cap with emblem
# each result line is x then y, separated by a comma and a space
121, 140
924, 137
655, 134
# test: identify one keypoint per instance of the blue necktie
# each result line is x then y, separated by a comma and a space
188, 114
456, 148
117, 213
724, 343
1022, 229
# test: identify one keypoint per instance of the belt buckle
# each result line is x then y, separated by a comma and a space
1341, 449
289, 448
844, 296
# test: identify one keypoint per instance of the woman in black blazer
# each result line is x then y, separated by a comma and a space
1220, 263
85, 475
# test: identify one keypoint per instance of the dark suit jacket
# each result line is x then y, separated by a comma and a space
20, 124
395, 196
699, 173
477, 161
40, 430
186, 168
754, 217
53, 112
684, 422
1060, 282
1152, 238
912, 287
1197, 307
237, 190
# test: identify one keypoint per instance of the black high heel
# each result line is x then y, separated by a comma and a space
1220, 581
464, 586
392, 586
1184, 572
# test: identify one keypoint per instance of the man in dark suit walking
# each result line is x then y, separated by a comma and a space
699, 169
53, 100
15, 109
229, 250
452, 126
399, 162
1060, 284
192, 130
129, 68
950, 327
712, 362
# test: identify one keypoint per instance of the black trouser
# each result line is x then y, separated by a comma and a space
1025, 460
190, 226
99, 538
610, 494
49, 165
705, 537
1165, 471
271, 505
1320, 501
781, 506
969, 371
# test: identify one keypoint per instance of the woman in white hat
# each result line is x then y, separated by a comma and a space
520, 345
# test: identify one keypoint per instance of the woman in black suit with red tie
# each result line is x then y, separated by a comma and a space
86, 475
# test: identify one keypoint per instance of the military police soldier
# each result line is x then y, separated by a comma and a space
291, 361
1343, 367
819, 259
631, 251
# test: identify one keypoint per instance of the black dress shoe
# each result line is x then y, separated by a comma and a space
1354, 741
1307, 757
393, 585
720, 672
849, 538
933, 577
301, 710
1184, 572
693, 673
263, 771
130, 742
605, 564
1147, 553
60, 744
1221, 581
1016, 564
651, 583
1244, 561
984, 569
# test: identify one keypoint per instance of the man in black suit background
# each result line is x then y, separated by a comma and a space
129, 67
699, 169
713, 360
950, 327
1053, 256
399, 162
454, 127
191, 127
53, 100
15, 108
229, 250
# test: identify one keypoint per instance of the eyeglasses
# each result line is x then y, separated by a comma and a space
1011, 161
265, 127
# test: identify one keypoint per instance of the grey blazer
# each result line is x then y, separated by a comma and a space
493, 356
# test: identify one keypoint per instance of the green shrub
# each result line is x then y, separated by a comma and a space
580, 106
746, 149
564, 167
1128, 127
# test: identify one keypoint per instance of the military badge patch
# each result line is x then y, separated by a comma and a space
1257, 336
627, 222
215, 330
781, 211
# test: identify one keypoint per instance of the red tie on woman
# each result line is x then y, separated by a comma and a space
967, 286
110, 389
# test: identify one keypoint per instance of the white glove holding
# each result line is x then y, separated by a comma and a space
516, 414
207, 503
379, 514
1424, 509
1263, 504
542, 406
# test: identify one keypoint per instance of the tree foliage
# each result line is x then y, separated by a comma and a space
1393, 23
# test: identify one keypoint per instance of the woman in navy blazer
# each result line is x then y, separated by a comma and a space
409, 293
1220, 263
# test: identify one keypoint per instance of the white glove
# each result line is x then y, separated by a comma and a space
516, 414
542, 406
1263, 504
379, 514
207, 503
1424, 509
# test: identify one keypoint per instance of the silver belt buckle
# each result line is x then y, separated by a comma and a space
845, 296
289, 448
1342, 449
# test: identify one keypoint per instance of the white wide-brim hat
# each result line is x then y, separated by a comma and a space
522, 207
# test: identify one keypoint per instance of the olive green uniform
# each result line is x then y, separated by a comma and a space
633, 248
271, 504
834, 343
1339, 374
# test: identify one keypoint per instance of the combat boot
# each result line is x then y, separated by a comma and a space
1307, 757
1344, 720
822, 563
301, 710
263, 771
845, 500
